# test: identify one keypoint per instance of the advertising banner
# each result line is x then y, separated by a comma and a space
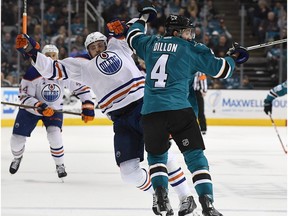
222, 107
242, 104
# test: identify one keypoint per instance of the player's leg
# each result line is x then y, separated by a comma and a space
132, 173
24, 124
157, 145
188, 137
179, 183
129, 148
17, 143
53, 126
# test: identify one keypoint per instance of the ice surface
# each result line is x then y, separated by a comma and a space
247, 164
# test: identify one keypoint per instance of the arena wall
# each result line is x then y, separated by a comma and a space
222, 107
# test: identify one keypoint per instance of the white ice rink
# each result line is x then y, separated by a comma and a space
247, 164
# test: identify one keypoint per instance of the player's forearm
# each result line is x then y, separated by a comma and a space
44, 65
59, 69
83, 93
27, 100
138, 28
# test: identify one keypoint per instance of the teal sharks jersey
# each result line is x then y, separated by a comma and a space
171, 63
277, 91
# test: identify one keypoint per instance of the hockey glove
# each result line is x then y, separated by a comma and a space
242, 51
146, 7
117, 28
87, 111
43, 109
27, 46
267, 107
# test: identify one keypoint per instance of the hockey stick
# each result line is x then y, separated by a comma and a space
24, 17
33, 107
271, 43
273, 123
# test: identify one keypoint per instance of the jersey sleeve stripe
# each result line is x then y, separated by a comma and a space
59, 71
82, 88
273, 94
23, 102
80, 93
224, 71
130, 37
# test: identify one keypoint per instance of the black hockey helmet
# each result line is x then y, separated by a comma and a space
177, 23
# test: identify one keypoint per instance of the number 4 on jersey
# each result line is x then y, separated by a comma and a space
158, 72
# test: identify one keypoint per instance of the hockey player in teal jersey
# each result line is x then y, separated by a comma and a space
171, 62
277, 91
119, 87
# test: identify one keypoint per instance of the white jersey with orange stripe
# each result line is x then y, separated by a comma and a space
112, 75
34, 88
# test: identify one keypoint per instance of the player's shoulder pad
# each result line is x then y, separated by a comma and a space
85, 56
31, 74
199, 47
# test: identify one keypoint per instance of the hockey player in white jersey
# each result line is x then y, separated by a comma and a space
47, 96
119, 88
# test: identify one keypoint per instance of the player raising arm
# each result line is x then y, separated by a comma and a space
171, 62
119, 87
47, 96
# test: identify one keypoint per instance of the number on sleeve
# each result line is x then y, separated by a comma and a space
158, 72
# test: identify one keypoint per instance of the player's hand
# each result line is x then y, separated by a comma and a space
239, 53
267, 107
43, 109
27, 46
147, 11
117, 28
87, 111
21, 44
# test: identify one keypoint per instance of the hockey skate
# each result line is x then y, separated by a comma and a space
187, 206
207, 207
61, 171
14, 166
163, 205
154, 206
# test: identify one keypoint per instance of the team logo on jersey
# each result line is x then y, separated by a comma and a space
51, 92
108, 62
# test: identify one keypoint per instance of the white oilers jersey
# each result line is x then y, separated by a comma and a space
34, 88
112, 75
